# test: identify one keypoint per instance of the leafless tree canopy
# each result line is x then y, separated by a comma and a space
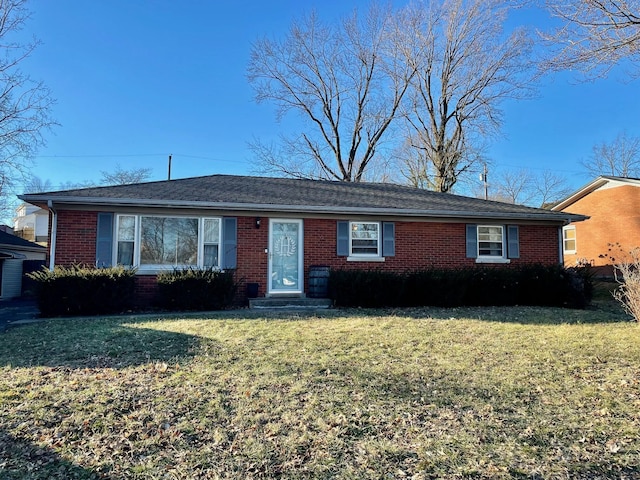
550, 188
35, 184
514, 186
347, 82
414, 167
122, 176
444, 67
467, 69
24, 104
526, 187
596, 34
620, 158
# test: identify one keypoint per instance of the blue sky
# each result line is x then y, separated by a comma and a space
136, 81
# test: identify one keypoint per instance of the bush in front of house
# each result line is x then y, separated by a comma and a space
626, 272
81, 290
480, 286
196, 289
365, 288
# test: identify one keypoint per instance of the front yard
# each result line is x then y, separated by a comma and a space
432, 393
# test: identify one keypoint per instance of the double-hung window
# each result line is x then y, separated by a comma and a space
364, 239
210, 242
161, 242
491, 241
569, 239
126, 238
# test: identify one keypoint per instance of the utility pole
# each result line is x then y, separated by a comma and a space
169, 174
483, 178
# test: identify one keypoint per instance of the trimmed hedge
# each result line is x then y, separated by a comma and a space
79, 290
196, 289
481, 286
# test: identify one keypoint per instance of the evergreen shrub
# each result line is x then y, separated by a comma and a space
196, 289
82, 290
531, 284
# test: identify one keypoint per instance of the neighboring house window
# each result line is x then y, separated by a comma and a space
569, 239
490, 241
364, 238
155, 242
493, 243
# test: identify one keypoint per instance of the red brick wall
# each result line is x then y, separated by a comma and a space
424, 245
615, 218
418, 245
146, 289
76, 238
539, 244
252, 259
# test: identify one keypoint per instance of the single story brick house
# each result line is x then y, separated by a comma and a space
613, 207
273, 230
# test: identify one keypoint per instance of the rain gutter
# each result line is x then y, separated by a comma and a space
54, 234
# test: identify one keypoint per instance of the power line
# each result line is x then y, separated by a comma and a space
133, 155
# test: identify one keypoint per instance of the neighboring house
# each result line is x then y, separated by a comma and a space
15, 252
613, 207
273, 230
31, 223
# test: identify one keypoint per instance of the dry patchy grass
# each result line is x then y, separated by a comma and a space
464, 393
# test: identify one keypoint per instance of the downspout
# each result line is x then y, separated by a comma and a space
561, 246
54, 232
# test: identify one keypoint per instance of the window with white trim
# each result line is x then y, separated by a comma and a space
126, 238
491, 241
569, 239
364, 239
160, 242
211, 242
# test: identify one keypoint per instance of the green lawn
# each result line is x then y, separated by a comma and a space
434, 393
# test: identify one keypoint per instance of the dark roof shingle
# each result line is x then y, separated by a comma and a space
7, 239
319, 195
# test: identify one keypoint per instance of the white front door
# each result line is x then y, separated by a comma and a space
285, 256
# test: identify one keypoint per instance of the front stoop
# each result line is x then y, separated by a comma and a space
290, 303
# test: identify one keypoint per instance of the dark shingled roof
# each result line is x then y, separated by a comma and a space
286, 194
7, 239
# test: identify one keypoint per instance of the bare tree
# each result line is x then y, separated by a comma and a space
122, 176
7, 203
413, 165
515, 186
620, 158
466, 70
24, 103
35, 184
346, 81
75, 185
526, 187
550, 188
595, 35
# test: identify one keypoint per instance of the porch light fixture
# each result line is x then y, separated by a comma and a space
257, 222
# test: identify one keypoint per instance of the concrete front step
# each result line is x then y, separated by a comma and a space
289, 302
